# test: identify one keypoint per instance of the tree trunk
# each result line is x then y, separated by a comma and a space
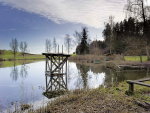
141, 58
14, 56
145, 30
147, 52
147, 72
110, 50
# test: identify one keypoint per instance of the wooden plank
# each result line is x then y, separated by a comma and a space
56, 54
61, 64
143, 80
139, 83
55, 74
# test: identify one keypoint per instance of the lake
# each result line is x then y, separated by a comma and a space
27, 83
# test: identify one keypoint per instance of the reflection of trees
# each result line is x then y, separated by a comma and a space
111, 77
14, 72
97, 69
132, 74
0, 63
114, 77
55, 85
23, 71
83, 71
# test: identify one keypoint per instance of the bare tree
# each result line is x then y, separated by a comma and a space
140, 11
23, 47
14, 46
48, 46
111, 22
54, 44
78, 37
68, 42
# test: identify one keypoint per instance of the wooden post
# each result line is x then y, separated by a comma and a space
46, 83
131, 87
46, 64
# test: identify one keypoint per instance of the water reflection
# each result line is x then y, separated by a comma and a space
84, 73
24, 70
55, 85
91, 77
108, 77
15, 71
0, 63
81, 76
131, 75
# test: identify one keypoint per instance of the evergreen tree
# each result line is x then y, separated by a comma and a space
83, 47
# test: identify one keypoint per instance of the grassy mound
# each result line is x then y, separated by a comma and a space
101, 100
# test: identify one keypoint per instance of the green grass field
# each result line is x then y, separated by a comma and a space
16, 63
8, 55
135, 58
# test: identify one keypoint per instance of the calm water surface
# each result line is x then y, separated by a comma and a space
26, 83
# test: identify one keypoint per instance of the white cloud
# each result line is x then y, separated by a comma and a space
89, 12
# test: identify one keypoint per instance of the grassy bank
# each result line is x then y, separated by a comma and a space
92, 58
101, 100
6, 55
16, 63
108, 58
135, 58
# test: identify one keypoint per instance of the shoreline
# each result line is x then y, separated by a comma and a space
1, 60
10, 63
115, 62
112, 99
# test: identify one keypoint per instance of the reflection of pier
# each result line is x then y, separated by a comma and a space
56, 74
55, 86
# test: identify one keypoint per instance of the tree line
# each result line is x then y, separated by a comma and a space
53, 46
16, 46
128, 37
125, 37
79, 39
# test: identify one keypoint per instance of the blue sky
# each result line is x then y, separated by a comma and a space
34, 21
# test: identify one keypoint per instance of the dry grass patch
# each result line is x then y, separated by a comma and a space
100, 100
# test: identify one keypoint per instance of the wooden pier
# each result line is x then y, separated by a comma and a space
56, 64
56, 74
